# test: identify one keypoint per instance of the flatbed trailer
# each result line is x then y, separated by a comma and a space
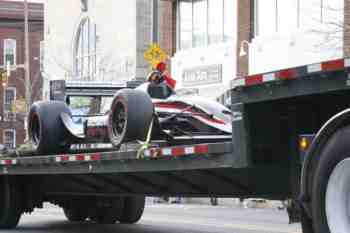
290, 139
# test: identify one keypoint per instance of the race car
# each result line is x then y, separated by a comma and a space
153, 109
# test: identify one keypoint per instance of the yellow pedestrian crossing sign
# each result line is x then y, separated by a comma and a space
4, 78
155, 54
19, 106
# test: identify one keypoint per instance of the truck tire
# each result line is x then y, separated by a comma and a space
330, 204
132, 210
130, 116
75, 214
306, 222
11, 208
108, 215
46, 130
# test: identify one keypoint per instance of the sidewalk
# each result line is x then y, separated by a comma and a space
233, 202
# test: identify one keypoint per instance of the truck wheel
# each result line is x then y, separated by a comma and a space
108, 215
10, 198
130, 116
133, 209
306, 223
75, 214
46, 130
105, 216
331, 187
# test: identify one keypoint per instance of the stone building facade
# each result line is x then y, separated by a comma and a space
101, 41
12, 52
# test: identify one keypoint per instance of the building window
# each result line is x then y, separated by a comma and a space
9, 99
85, 51
229, 22
285, 15
10, 51
186, 22
200, 23
9, 138
203, 22
215, 21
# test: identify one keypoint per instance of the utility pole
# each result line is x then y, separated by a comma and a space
26, 63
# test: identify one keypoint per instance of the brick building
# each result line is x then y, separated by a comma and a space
12, 51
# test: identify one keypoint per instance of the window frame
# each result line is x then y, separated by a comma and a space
299, 16
14, 50
4, 104
4, 137
83, 32
207, 38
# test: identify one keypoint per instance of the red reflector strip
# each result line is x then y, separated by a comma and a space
62, 158
333, 65
286, 74
254, 79
8, 162
201, 149
95, 157
80, 158
177, 151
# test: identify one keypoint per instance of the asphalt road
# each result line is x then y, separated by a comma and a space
168, 218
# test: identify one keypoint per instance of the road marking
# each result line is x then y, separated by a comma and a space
221, 224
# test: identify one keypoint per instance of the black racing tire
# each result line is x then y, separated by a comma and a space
130, 116
335, 151
46, 130
75, 214
133, 209
11, 203
108, 215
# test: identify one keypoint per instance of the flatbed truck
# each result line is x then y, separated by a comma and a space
290, 142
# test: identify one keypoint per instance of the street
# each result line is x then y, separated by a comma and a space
169, 218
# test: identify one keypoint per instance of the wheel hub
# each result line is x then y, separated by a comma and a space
337, 201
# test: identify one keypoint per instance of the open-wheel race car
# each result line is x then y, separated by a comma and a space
153, 109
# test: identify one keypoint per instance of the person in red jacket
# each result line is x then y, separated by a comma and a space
170, 82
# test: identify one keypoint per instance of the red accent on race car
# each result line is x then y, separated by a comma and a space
181, 106
176, 105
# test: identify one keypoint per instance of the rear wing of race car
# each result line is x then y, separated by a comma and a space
61, 89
